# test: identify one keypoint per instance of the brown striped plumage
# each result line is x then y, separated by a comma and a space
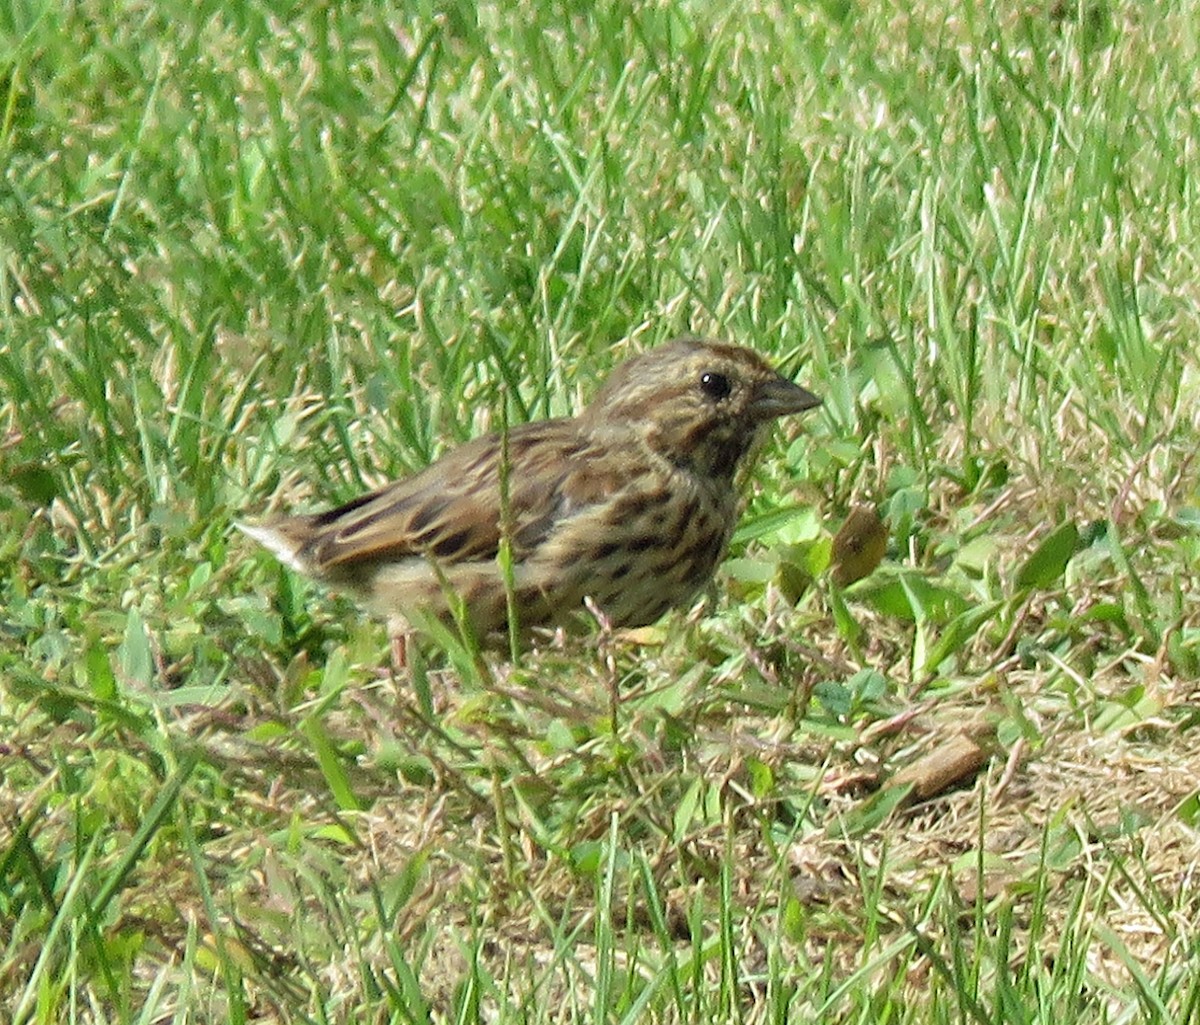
631, 503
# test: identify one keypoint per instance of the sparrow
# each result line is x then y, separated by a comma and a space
628, 506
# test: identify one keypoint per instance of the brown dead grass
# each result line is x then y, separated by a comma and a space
1082, 805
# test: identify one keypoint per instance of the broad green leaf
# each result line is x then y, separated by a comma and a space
1048, 561
909, 595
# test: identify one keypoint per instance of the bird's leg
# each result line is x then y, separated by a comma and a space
398, 630
409, 670
400, 652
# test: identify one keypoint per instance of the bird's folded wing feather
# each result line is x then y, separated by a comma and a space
452, 510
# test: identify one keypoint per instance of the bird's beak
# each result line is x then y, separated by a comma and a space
780, 397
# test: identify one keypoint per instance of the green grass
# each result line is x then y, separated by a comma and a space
255, 258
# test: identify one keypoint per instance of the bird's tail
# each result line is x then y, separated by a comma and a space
284, 544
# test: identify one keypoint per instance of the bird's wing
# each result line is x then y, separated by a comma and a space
452, 509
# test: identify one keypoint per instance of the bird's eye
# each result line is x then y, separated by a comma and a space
715, 386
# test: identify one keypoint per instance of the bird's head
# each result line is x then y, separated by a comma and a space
701, 404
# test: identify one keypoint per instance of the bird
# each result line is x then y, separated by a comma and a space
625, 509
